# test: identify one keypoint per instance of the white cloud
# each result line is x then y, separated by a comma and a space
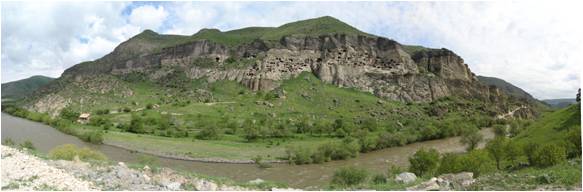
534, 45
148, 16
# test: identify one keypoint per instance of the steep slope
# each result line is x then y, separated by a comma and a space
24, 87
261, 58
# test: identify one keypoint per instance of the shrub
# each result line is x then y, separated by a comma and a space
549, 155
424, 162
95, 137
471, 138
500, 130
209, 132
386, 140
299, 155
8, 142
477, 162
69, 151
349, 176
574, 139
136, 125
27, 145
379, 179
449, 163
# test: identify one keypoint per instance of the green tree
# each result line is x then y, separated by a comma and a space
68, 114
424, 162
513, 152
500, 130
477, 162
471, 138
497, 148
209, 132
252, 132
574, 139
136, 125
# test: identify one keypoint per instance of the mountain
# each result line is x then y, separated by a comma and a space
24, 87
560, 103
261, 59
507, 87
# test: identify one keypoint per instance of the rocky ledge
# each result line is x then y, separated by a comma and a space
23, 171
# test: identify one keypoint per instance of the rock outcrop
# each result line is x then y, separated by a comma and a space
365, 62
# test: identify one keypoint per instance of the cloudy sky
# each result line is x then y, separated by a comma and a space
536, 46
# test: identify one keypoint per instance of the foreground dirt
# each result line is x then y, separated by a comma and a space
23, 171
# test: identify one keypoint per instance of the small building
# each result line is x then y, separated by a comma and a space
84, 118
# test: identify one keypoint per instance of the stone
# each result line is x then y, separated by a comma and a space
406, 177
256, 181
430, 185
459, 181
174, 186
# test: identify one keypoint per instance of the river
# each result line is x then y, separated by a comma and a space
312, 176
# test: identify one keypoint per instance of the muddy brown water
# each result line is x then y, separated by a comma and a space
45, 138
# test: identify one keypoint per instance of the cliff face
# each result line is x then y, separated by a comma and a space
368, 63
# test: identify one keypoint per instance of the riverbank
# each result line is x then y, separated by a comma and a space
21, 170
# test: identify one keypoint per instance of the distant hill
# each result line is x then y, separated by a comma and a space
506, 87
21, 88
560, 103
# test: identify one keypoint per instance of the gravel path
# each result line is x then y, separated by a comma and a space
21, 171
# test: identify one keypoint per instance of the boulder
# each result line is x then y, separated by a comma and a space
459, 181
406, 177
256, 181
430, 185
174, 186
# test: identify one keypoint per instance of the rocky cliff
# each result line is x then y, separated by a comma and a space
347, 59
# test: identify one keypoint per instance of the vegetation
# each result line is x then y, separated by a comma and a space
349, 176
424, 162
471, 138
70, 151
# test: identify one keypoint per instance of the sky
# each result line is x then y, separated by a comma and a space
536, 46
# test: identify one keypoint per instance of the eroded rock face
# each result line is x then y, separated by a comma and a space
371, 64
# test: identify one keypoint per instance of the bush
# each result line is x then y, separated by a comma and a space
136, 125
424, 162
449, 163
387, 140
500, 130
574, 139
299, 155
349, 176
69, 151
477, 162
27, 145
379, 179
95, 137
209, 132
549, 155
513, 152
8, 142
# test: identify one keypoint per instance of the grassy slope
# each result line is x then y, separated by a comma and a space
553, 126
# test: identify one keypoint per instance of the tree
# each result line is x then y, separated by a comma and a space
68, 114
578, 97
208, 132
513, 152
497, 149
251, 130
136, 125
574, 139
424, 162
449, 163
471, 139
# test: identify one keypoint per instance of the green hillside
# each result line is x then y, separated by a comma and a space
553, 126
22, 88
